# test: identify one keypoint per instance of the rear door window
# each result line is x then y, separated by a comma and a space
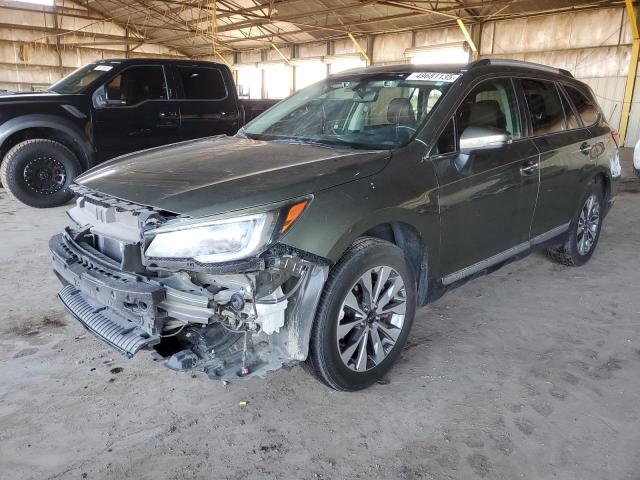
584, 106
202, 83
569, 113
545, 106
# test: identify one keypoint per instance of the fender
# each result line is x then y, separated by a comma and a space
390, 216
54, 122
354, 208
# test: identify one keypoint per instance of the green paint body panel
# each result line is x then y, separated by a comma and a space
461, 217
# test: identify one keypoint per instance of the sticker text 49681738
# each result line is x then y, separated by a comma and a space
434, 76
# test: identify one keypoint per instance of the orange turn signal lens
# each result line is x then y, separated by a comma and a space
294, 212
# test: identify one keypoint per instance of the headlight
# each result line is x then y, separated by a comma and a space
223, 240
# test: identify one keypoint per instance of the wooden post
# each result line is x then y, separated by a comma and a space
55, 24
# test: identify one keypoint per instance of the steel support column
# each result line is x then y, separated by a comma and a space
359, 48
631, 75
465, 32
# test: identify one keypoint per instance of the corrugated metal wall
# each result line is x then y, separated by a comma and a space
32, 58
633, 129
594, 45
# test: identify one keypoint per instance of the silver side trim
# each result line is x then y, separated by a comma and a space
482, 264
554, 232
505, 255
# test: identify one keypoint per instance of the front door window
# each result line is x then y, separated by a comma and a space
491, 105
137, 84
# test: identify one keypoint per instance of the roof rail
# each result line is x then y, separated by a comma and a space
518, 63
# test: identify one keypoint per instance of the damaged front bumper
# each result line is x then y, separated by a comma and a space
117, 307
182, 317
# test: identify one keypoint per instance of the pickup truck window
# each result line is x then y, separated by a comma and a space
137, 84
380, 111
79, 79
202, 83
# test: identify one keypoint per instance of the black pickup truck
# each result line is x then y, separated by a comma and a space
106, 109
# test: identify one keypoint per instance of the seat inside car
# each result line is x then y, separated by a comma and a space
544, 122
484, 113
400, 114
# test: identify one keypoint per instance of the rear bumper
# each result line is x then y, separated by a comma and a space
118, 308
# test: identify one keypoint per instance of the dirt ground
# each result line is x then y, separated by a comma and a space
530, 372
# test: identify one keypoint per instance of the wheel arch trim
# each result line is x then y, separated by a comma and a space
52, 122
405, 228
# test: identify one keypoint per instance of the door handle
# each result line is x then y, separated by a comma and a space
585, 148
528, 167
168, 120
140, 132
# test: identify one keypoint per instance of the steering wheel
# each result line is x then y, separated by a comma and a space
334, 130
411, 129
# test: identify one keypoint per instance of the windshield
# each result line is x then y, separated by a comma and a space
381, 111
76, 81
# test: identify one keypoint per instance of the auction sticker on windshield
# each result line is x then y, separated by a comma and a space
434, 76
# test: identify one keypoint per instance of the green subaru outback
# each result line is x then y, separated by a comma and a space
315, 232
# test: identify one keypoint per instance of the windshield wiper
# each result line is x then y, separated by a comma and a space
301, 141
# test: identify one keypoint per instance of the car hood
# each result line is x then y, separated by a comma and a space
220, 174
14, 97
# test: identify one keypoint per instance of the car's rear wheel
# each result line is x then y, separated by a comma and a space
364, 315
38, 172
584, 232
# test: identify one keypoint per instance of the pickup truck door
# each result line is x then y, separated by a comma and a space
133, 111
207, 101
487, 194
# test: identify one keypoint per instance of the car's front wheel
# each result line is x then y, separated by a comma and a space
364, 315
584, 231
38, 172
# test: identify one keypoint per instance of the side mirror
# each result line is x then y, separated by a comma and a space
104, 97
477, 138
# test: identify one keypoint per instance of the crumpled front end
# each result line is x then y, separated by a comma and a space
229, 320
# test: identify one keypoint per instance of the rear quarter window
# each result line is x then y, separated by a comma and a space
584, 106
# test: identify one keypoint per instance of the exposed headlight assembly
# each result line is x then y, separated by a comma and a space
223, 240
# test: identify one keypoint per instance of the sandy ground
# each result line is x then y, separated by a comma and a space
530, 372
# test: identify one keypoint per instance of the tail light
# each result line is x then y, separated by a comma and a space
616, 137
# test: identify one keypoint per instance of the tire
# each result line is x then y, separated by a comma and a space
38, 173
573, 253
343, 288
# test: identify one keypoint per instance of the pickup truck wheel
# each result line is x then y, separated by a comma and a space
584, 232
38, 173
364, 316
